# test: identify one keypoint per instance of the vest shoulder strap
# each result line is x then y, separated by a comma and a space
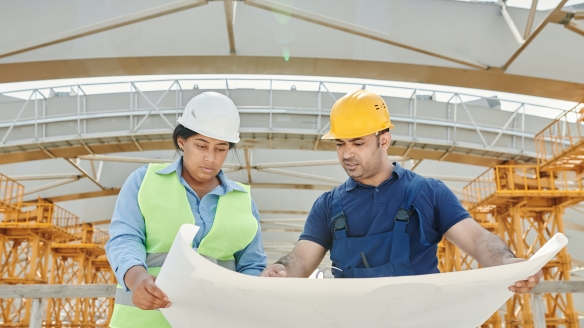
338, 218
404, 213
402, 218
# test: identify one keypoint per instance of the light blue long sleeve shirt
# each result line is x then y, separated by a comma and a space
126, 247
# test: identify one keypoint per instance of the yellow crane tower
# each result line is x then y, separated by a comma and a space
80, 261
42, 243
524, 205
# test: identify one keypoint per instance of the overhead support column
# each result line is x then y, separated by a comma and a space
248, 162
511, 24
229, 19
530, 18
551, 18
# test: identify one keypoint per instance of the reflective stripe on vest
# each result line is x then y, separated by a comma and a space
165, 207
156, 260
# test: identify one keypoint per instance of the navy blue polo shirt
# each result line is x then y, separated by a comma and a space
371, 210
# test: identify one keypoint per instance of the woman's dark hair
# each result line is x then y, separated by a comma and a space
185, 133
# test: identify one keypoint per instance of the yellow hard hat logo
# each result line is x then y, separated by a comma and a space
358, 114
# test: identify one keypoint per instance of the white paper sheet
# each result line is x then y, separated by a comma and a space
204, 294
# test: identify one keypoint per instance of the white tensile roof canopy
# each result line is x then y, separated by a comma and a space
292, 52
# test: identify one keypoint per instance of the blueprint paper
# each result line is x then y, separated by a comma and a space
204, 294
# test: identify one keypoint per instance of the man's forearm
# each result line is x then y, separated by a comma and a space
490, 250
294, 267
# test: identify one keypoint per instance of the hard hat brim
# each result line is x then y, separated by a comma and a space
195, 128
330, 135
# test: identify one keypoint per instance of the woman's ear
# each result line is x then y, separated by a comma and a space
181, 143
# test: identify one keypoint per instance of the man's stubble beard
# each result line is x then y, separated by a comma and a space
367, 171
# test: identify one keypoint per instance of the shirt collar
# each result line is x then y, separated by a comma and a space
398, 171
176, 166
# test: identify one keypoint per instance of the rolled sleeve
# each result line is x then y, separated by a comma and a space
316, 228
252, 260
448, 210
126, 246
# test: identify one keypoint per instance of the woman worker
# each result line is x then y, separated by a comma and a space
157, 199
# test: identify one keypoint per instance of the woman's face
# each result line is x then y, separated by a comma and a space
203, 156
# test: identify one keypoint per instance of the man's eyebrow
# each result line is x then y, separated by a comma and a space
350, 140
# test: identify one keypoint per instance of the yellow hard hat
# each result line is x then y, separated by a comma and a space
358, 114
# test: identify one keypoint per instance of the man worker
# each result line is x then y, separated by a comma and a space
384, 220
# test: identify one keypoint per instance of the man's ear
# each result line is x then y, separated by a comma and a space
385, 140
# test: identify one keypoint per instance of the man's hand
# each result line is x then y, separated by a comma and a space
274, 270
145, 294
524, 286
303, 260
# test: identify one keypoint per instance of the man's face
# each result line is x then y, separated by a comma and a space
362, 157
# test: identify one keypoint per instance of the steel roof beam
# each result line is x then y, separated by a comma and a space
575, 27
57, 176
553, 17
313, 163
115, 191
140, 160
301, 175
359, 31
103, 26
50, 185
87, 175
84, 195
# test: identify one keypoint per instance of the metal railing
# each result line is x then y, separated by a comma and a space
140, 101
39, 292
11, 193
521, 180
64, 225
98, 237
558, 145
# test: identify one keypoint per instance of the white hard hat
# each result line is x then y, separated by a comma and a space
213, 115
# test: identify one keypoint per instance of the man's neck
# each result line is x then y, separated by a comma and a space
382, 175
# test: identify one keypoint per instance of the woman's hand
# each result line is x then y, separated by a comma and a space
145, 294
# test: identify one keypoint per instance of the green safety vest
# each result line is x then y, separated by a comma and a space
165, 207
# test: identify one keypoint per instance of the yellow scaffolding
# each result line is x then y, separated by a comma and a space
80, 261
524, 205
42, 243
560, 146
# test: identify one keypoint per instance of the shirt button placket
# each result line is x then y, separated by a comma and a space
376, 196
